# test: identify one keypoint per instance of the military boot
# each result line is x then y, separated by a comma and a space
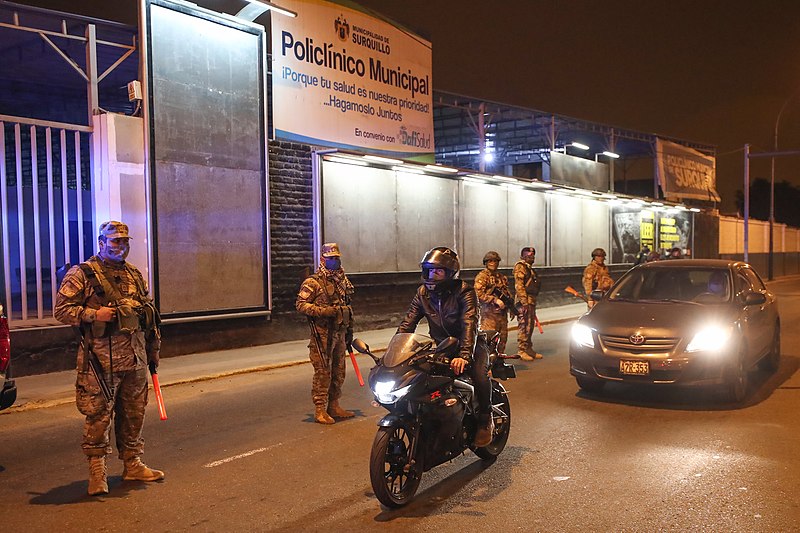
136, 470
321, 416
483, 437
524, 356
336, 410
98, 483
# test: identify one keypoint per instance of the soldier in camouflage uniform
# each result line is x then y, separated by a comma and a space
107, 299
526, 286
490, 286
596, 276
325, 299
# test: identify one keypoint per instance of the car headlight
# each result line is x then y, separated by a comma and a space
383, 391
582, 335
710, 339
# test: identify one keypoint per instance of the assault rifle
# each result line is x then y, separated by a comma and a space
508, 301
97, 371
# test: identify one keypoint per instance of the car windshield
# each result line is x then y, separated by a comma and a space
698, 285
403, 346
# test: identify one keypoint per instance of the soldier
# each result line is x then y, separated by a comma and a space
492, 288
595, 275
325, 300
107, 299
526, 286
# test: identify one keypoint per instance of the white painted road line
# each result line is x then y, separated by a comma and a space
240, 456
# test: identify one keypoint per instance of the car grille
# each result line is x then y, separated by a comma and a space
650, 345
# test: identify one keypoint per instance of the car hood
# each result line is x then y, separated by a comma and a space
667, 319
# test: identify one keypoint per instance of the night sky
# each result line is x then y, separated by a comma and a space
714, 72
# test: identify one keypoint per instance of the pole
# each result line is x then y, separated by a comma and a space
772, 187
746, 200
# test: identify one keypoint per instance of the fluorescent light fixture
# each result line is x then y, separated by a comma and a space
695, 209
275, 8
411, 170
384, 160
681, 208
611, 154
346, 161
658, 204
580, 146
540, 184
439, 168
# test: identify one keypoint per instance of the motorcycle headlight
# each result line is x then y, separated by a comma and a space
383, 391
710, 339
582, 335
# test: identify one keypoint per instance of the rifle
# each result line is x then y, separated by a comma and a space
508, 301
318, 341
162, 411
97, 371
575, 293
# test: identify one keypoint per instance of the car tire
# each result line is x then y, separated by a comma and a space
738, 378
772, 360
590, 384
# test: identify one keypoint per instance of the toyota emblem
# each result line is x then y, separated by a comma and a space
637, 339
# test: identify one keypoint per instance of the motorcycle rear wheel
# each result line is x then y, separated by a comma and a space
393, 473
502, 425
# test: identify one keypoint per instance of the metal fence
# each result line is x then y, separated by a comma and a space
45, 191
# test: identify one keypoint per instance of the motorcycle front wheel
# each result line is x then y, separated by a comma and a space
501, 411
394, 474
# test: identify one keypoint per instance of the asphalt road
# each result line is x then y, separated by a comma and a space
243, 454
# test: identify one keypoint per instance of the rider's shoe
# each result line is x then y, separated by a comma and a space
483, 437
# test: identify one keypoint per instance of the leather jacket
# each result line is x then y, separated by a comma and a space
452, 311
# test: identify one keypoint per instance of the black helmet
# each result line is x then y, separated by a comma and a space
491, 256
439, 257
598, 251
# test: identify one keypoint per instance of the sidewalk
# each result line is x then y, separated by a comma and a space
48, 390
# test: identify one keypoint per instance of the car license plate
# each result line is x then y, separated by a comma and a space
635, 368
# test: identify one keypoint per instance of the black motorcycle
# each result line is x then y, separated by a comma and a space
432, 412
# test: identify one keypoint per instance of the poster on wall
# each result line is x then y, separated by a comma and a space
675, 231
685, 173
346, 79
625, 234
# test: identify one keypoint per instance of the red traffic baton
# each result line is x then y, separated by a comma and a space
539, 325
355, 367
162, 411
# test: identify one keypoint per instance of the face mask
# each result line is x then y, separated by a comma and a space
333, 263
114, 250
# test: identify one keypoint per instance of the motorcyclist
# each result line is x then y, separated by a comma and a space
450, 306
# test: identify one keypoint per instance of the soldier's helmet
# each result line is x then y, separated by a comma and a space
525, 251
113, 229
330, 249
491, 256
598, 251
440, 257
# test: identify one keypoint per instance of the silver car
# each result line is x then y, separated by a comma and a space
679, 322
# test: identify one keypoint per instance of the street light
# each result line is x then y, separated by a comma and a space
612, 156
772, 187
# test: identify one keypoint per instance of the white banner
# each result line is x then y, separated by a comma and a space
343, 78
685, 173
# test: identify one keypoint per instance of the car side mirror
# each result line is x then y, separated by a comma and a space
597, 295
754, 298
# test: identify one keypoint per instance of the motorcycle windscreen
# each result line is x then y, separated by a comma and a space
403, 346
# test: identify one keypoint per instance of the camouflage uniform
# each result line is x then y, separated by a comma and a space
488, 285
526, 286
596, 276
126, 353
325, 299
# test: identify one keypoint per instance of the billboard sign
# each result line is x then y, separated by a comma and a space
346, 79
685, 173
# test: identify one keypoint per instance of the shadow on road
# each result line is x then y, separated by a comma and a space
762, 385
75, 492
437, 498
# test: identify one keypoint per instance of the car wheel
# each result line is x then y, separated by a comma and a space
772, 360
738, 376
590, 384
